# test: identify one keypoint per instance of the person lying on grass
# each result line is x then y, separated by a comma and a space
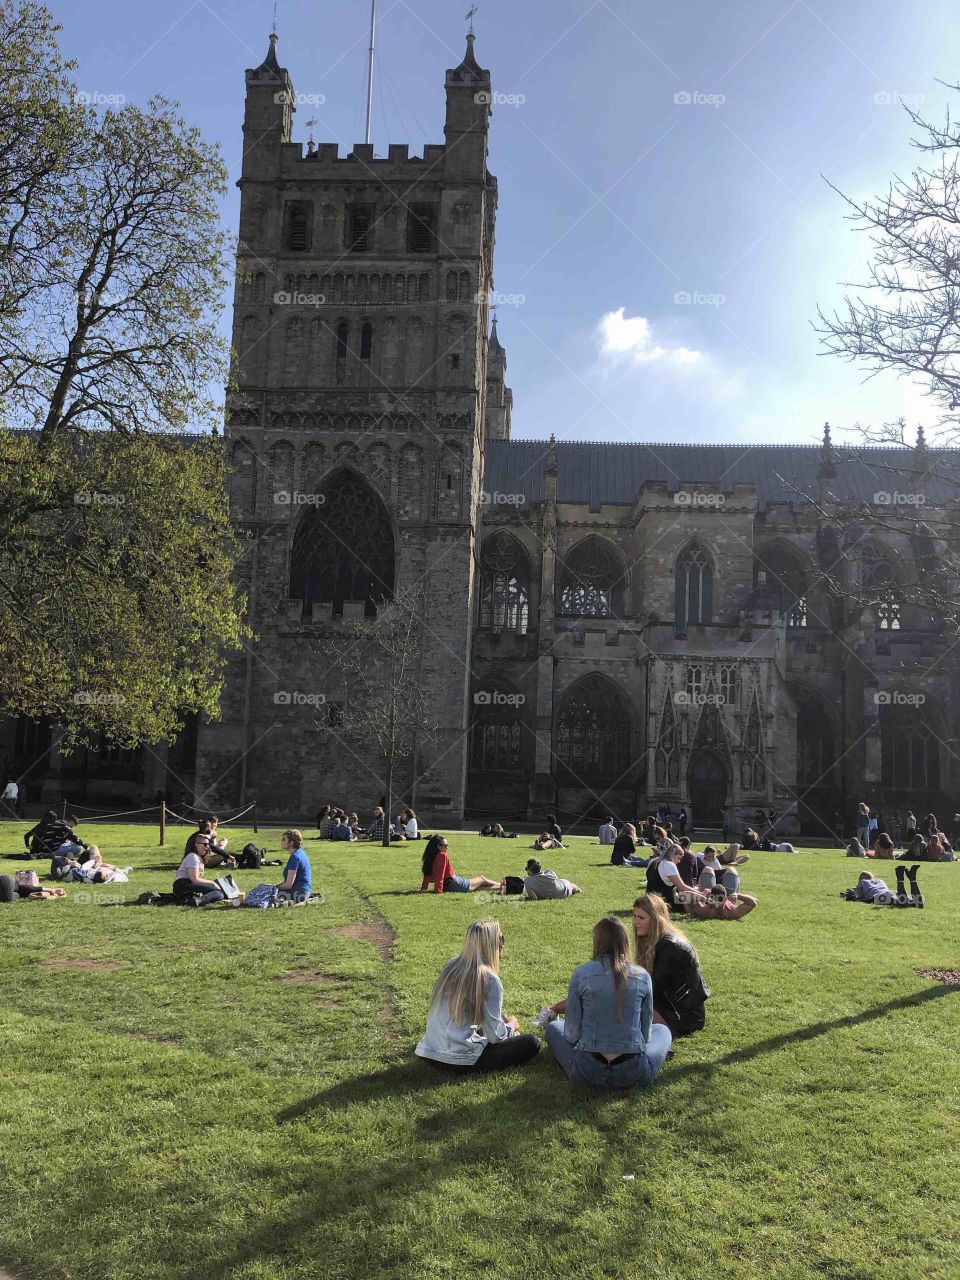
679, 991
546, 884
189, 885
436, 868
297, 879
95, 871
719, 904
466, 1026
609, 1038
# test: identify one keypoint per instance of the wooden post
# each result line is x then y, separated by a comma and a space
63, 808
255, 827
163, 823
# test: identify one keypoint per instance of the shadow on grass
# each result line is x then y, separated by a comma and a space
456, 1134
773, 1043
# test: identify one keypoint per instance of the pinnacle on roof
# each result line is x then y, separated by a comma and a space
270, 62
468, 58
495, 343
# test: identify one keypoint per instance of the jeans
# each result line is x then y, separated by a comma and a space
496, 1057
185, 889
584, 1068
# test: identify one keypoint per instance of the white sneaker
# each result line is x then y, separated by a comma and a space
545, 1015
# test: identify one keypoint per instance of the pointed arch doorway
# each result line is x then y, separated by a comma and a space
709, 782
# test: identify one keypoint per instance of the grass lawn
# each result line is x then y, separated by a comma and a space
223, 1093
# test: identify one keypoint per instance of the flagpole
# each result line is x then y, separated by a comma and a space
373, 27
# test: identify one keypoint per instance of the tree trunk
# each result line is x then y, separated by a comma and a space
387, 820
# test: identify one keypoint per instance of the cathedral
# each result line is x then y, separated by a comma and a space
607, 626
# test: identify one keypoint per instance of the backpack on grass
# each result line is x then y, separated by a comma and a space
251, 859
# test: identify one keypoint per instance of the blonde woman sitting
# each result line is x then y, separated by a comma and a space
466, 1027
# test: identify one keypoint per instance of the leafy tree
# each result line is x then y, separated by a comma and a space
116, 600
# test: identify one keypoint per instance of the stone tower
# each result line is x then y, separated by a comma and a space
355, 436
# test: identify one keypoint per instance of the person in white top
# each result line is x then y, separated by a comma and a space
408, 825
608, 832
189, 880
11, 797
672, 886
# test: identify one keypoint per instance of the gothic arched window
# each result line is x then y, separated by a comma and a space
693, 596
496, 732
786, 583
504, 585
591, 582
593, 731
909, 751
880, 588
343, 548
816, 750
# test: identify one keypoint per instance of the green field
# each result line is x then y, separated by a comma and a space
228, 1093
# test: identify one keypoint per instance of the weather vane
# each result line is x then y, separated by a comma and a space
469, 16
274, 17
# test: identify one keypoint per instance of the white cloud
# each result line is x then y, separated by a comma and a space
623, 336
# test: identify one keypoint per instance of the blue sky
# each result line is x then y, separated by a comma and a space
615, 198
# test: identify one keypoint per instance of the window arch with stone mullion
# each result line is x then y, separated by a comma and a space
591, 581
504, 585
343, 549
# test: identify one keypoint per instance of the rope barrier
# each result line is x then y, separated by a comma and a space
99, 817
224, 821
90, 808
178, 817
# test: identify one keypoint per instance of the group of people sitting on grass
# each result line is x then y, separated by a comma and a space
623, 1008
192, 887
538, 883
706, 885
335, 823
922, 842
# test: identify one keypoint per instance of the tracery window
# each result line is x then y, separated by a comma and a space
591, 582
693, 589
593, 731
504, 585
343, 548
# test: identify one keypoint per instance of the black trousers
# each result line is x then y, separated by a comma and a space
497, 1057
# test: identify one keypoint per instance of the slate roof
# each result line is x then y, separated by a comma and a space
599, 473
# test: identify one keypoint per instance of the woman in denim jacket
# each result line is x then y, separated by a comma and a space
607, 1038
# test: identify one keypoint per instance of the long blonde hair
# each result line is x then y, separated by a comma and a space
661, 926
462, 982
612, 942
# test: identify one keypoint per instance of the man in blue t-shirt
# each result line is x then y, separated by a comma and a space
297, 880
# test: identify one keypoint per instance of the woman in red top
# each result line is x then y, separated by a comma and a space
436, 867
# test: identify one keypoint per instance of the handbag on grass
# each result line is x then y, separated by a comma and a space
228, 885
